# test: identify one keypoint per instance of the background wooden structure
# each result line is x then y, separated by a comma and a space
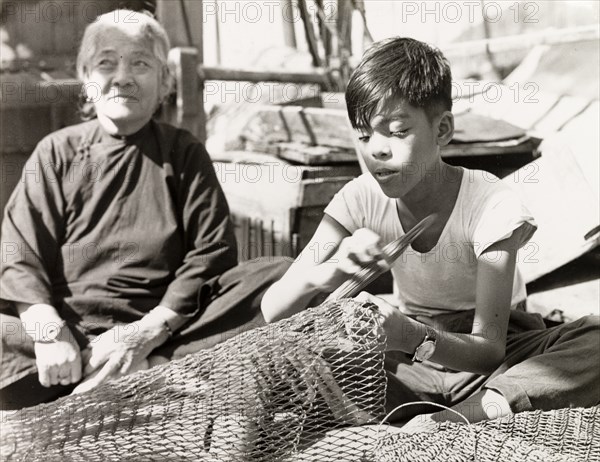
40, 95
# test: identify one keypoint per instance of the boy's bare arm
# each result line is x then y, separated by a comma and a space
329, 259
483, 350
300, 284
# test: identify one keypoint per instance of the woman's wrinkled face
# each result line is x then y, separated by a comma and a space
124, 81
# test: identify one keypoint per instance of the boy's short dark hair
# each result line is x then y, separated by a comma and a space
399, 67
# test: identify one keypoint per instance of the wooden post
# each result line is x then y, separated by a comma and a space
190, 110
289, 34
190, 91
196, 20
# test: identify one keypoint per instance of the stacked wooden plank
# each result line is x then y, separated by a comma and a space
276, 204
321, 136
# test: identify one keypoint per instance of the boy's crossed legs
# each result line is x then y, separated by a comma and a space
544, 369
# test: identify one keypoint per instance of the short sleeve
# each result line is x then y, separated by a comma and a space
346, 206
500, 216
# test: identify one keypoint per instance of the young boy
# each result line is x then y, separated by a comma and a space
454, 336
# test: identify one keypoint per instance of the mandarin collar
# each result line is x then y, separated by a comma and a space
126, 139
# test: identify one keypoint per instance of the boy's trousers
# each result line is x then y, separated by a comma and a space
543, 368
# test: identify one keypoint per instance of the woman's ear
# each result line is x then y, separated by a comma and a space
89, 90
166, 83
445, 128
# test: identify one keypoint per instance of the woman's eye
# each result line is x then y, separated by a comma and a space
399, 133
105, 64
141, 64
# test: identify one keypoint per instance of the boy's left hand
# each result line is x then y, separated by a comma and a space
392, 319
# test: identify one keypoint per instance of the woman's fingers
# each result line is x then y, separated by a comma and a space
58, 362
46, 365
109, 368
75, 370
43, 375
98, 354
54, 374
126, 365
84, 385
64, 373
95, 360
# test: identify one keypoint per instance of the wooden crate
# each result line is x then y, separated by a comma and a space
277, 205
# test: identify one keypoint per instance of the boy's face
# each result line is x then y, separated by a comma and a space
402, 146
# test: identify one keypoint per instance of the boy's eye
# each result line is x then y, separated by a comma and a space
364, 138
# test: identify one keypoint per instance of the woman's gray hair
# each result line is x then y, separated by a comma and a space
129, 20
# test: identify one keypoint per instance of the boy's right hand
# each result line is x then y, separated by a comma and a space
353, 253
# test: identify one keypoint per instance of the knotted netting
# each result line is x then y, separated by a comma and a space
265, 395
561, 435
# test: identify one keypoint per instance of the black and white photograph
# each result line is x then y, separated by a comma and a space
300, 230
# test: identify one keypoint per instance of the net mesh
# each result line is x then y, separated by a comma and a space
561, 435
267, 394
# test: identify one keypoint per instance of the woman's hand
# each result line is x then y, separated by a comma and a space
120, 351
354, 252
59, 361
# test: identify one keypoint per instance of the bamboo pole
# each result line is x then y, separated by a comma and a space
522, 41
318, 76
488, 35
311, 39
218, 33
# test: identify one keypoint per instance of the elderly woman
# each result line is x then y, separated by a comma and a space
118, 236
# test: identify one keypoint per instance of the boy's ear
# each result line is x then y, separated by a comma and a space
445, 128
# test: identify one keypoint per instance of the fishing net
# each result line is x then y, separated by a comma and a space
562, 435
266, 395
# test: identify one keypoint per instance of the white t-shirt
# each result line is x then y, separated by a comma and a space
443, 279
